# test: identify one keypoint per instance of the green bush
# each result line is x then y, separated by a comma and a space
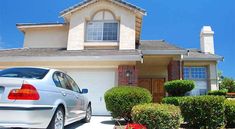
172, 100
230, 112
120, 100
157, 116
203, 111
218, 92
229, 84
179, 87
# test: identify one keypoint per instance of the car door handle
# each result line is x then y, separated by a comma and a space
64, 94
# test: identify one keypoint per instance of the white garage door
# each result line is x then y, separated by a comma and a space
97, 81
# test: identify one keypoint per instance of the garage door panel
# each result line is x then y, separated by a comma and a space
97, 81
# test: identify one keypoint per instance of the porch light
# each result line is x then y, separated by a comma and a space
128, 73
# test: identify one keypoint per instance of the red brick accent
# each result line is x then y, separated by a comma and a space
123, 79
174, 70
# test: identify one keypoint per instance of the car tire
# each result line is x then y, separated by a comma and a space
57, 121
87, 119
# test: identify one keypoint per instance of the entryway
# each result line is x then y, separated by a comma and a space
155, 86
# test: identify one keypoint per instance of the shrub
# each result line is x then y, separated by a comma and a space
203, 111
172, 100
230, 112
120, 100
229, 84
157, 116
179, 87
218, 92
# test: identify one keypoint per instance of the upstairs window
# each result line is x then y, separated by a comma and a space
102, 28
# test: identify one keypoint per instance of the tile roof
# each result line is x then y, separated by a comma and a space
88, 1
157, 45
63, 52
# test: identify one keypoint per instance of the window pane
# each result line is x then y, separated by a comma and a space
110, 31
94, 31
195, 73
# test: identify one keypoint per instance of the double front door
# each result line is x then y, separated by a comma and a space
155, 86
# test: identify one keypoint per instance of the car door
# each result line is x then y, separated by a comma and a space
80, 106
67, 94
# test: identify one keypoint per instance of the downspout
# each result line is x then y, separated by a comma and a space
181, 67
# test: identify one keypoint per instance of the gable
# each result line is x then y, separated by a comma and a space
85, 3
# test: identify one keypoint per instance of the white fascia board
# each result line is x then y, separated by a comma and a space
71, 58
164, 52
202, 59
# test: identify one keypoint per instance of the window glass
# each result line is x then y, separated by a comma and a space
102, 31
63, 81
195, 73
73, 84
32, 73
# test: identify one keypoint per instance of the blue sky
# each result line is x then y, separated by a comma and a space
177, 21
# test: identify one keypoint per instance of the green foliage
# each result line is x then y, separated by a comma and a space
222, 92
173, 100
179, 87
120, 100
229, 84
157, 116
204, 111
230, 112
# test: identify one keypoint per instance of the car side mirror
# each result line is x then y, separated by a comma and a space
84, 91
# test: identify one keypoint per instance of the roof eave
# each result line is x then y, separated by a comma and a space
163, 52
71, 58
203, 59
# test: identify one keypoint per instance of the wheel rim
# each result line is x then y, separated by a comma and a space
59, 120
88, 114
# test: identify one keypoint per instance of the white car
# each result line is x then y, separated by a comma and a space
40, 98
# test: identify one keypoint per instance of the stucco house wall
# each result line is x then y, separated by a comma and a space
78, 20
47, 37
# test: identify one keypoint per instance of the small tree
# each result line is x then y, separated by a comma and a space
179, 87
228, 83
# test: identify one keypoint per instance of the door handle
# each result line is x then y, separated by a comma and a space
64, 94
101, 99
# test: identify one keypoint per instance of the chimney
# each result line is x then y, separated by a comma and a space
207, 40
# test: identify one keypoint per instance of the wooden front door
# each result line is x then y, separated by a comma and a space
155, 86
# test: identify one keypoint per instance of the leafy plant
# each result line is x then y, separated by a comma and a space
120, 100
157, 116
173, 100
222, 92
230, 112
203, 111
179, 87
229, 84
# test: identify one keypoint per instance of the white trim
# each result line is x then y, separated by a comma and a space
39, 26
71, 58
163, 52
101, 44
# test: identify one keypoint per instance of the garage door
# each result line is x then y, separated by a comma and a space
97, 81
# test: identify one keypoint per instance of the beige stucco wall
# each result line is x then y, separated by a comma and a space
212, 72
49, 37
78, 19
154, 67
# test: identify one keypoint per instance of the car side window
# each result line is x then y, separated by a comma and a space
73, 84
61, 81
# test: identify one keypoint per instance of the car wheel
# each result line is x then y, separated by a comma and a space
87, 119
57, 121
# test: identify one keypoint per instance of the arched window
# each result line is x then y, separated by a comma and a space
102, 27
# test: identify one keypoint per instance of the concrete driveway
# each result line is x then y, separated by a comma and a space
97, 122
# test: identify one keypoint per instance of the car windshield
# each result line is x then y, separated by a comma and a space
31, 73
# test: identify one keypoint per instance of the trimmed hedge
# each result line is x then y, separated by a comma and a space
204, 111
157, 116
218, 92
172, 100
120, 100
179, 87
230, 112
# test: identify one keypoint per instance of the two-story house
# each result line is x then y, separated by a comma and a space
99, 45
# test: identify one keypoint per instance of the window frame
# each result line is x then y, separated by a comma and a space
103, 22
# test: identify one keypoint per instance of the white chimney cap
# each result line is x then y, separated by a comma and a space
207, 30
